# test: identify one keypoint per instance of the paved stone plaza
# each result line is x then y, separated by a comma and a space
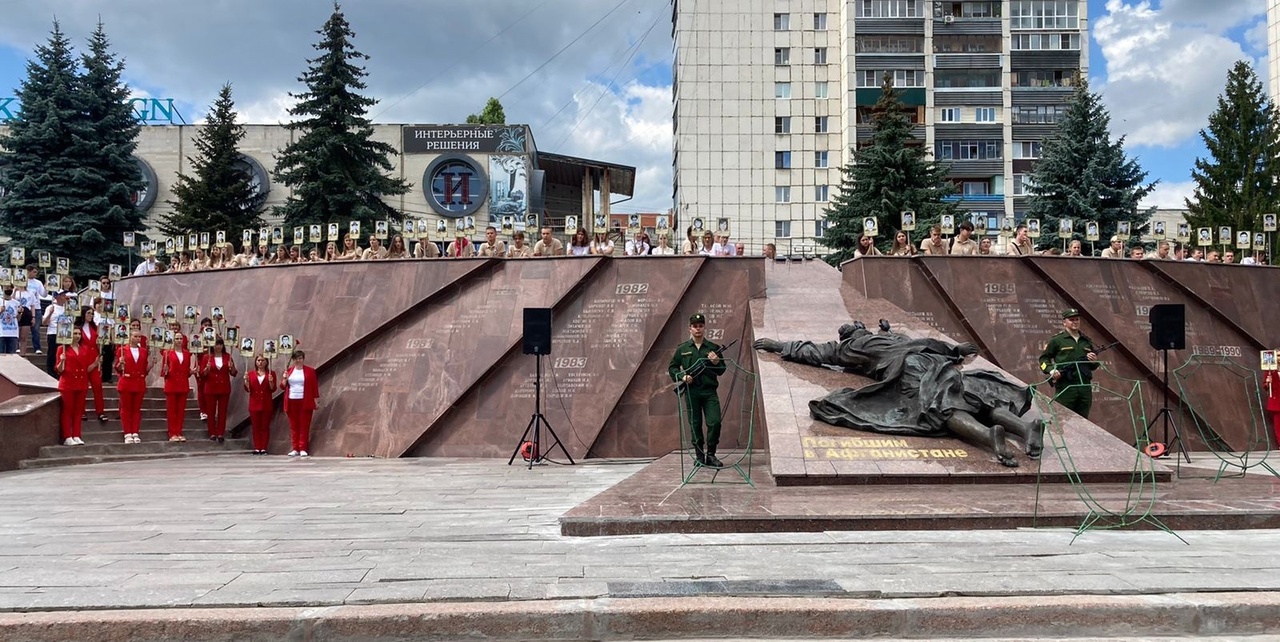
237, 531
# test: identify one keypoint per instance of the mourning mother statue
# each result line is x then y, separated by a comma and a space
919, 389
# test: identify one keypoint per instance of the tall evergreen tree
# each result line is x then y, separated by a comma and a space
1083, 175
491, 115
112, 173
1236, 185
891, 175
336, 170
217, 195
49, 177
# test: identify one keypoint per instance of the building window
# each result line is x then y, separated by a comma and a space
782, 90
782, 160
782, 56
1044, 14
1045, 42
891, 9
782, 124
782, 229
1043, 78
1021, 184
985, 114
968, 150
901, 77
819, 22
821, 193
820, 90
969, 10
1041, 115
821, 159
820, 56
781, 21
949, 115
966, 78
821, 124
820, 228
975, 188
889, 44
1026, 149
954, 43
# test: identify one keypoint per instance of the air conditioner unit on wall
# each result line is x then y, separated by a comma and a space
948, 18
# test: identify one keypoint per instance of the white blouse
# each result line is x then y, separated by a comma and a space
297, 383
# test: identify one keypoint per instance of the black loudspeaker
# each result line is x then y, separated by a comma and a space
537, 330
1168, 326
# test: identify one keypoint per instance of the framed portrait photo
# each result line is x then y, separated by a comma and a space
1066, 227
313, 234
157, 336
1244, 240
286, 344
247, 347
1091, 232
1204, 237
220, 237
332, 234
298, 235
1224, 235
44, 260
1259, 241
1033, 228
233, 335
148, 312
17, 256
948, 224
353, 228
381, 230
908, 220
1158, 231
115, 271
130, 239
63, 266
1268, 222
204, 240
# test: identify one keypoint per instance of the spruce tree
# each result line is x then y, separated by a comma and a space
50, 178
337, 172
217, 195
112, 172
1083, 175
491, 115
891, 175
1236, 185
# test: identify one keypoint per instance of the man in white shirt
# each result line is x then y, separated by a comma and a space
492, 247
1254, 259
964, 245
1116, 251
10, 311
723, 247
146, 267
35, 287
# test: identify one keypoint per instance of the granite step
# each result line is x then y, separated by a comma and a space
144, 448
197, 431
77, 460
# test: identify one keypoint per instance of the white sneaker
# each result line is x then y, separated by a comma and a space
303, 453
79, 441
39, 351
204, 417
293, 453
69, 441
134, 438
128, 439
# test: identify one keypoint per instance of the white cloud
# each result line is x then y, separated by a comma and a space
1166, 67
1170, 195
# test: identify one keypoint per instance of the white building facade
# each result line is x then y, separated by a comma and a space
770, 94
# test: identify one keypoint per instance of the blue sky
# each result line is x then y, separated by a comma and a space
1159, 66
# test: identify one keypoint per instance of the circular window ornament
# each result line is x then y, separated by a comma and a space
259, 181
145, 197
455, 185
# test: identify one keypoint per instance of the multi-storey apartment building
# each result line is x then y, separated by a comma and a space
771, 94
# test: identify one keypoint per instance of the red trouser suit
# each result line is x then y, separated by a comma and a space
73, 383
216, 382
1271, 388
177, 387
299, 411
89, 342
132, 386
260, 406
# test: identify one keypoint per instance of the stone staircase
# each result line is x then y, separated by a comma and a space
104, 442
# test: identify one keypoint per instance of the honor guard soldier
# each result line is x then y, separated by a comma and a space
695, 367
1070, 359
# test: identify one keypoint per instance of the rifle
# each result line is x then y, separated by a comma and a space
679, 386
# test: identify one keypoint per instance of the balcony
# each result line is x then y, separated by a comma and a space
974, 198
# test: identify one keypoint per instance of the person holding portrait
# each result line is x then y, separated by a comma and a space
74, 364
260, 385
89, 342
133, 364
176, 370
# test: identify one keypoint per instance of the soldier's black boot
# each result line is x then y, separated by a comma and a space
698, 456
711, 459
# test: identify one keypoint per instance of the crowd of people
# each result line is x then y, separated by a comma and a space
1020, 244
580, 243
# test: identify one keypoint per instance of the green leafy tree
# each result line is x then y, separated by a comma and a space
112, 172
1083, 175
1236, 185
336, 170
49, 149
491, 115
217, 195
891, 175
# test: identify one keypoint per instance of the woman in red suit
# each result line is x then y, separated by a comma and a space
132, 365
74, 364
261, 384
1272, 402
89, 341
176, 370
302, 391
216, 371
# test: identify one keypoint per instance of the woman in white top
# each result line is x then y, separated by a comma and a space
662, 249
602, 245
579, 245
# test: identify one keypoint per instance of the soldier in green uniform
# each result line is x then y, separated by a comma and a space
1069, 359
695, 367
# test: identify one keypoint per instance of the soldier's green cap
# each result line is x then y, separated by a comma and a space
697, 319
1070, 312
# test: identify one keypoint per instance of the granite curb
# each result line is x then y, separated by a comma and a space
1174, 614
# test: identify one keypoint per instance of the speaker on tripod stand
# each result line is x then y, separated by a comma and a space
537, 342
1168, 332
